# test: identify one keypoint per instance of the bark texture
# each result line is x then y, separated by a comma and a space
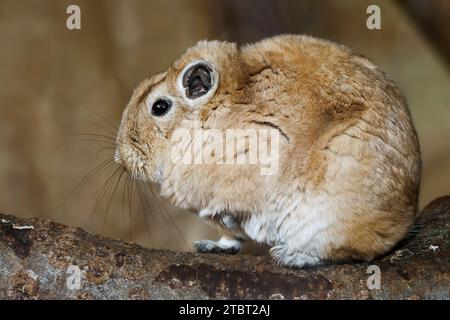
35, 256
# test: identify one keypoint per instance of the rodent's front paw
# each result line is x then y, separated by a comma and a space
227, 220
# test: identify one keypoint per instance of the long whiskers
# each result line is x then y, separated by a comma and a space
111, 128
175, 231
154, 213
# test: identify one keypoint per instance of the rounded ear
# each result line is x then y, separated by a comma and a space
197, 82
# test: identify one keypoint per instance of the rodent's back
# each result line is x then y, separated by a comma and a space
320, 90
351, 137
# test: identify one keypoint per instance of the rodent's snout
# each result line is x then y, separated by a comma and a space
132, 159
120, 159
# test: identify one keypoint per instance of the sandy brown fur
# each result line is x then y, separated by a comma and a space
349, 148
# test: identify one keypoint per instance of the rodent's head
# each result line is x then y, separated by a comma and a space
205, 76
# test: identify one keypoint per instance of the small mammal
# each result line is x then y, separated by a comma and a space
349, 159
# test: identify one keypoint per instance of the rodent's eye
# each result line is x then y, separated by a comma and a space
160, 107
197, 80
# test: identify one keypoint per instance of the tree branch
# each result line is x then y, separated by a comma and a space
35, 255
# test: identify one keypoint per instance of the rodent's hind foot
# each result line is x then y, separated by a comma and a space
224, 245
293, 258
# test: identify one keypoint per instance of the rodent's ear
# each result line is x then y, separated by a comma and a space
197, 82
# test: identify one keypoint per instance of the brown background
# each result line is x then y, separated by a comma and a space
55, 82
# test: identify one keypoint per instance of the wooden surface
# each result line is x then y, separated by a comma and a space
35, 255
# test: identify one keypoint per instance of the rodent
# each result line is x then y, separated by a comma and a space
349, 158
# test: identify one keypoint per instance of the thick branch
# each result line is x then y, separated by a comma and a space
35, 256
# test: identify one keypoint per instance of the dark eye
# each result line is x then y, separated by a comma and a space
160, 107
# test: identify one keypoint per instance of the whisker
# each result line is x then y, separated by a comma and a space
105, 129
166, 216
130, 209
111, 143
155, 218
144, 211
124, 189
117, 177
108, 205
105, 189
112, 126
109, 150
97, 135
90, 176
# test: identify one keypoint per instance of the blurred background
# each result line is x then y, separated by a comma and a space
56, 83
